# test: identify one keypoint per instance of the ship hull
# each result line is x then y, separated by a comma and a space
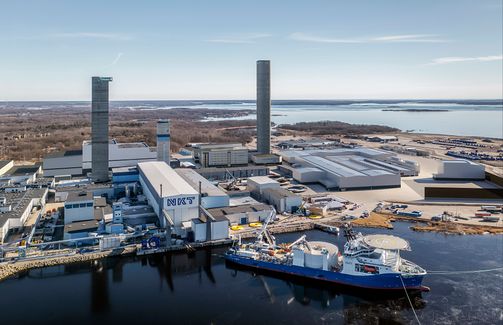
375, 281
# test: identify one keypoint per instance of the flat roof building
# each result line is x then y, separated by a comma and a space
460, 169
15, 208
220, 154
63, 163
349, 169
5, 165
172, 198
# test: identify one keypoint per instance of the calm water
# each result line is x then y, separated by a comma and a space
456, 119
201, 289
460, 117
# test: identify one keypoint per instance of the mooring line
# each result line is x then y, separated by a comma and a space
410, 301
465, 272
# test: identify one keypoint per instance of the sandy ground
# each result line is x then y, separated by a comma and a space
411, 193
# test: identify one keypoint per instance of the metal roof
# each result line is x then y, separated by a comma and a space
261, 180
79, 196
332, 167
158, 174
281, 192
66, 153
4, 163
193, 178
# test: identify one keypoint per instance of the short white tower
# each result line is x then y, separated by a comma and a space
163, 141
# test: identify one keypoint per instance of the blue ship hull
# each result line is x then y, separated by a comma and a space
375, 281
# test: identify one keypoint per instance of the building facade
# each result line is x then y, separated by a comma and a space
174, 201
220, 155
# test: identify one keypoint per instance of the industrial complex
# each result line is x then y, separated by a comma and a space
109, 194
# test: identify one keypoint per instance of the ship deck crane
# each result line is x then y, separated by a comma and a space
264, 232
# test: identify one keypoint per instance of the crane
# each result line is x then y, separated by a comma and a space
301, 240
264, 232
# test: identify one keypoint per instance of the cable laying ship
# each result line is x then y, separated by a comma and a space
371, 261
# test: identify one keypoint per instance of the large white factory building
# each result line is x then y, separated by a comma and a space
173, 199
211, 196
77, 162
349, 169
460, 169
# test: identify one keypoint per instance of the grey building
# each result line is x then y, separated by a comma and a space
263, 106
99, 128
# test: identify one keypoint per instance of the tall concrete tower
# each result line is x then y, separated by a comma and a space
163, 141
99, 129
264, 107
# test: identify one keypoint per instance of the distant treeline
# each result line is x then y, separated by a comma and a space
336, 127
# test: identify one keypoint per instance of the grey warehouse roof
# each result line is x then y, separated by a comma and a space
193, 178
158, 174
78, 196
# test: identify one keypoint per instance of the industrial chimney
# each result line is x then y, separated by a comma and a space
264, 107
99, 129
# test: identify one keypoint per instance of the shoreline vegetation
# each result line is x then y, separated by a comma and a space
30, 134
337, 127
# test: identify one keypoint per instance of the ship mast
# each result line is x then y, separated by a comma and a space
349, 234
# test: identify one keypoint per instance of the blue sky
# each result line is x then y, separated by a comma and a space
207, 49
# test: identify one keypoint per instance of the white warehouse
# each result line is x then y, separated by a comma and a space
271, 192
172, 198
120, 154
348, 169
460, 169
78, 162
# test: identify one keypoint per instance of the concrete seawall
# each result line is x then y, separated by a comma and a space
9, 269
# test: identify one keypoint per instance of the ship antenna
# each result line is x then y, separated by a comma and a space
348, 232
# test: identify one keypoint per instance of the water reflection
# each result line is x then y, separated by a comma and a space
357, 304
201, 288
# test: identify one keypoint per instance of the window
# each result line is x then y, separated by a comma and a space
90, 204
366, 269
82, 205
68, 206
75, 206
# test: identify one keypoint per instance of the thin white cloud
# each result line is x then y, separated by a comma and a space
239, 39
408, 38
107, 36
318, 39
455, 59
411, 38
117, 58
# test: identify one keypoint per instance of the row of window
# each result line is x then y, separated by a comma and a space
79, 205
